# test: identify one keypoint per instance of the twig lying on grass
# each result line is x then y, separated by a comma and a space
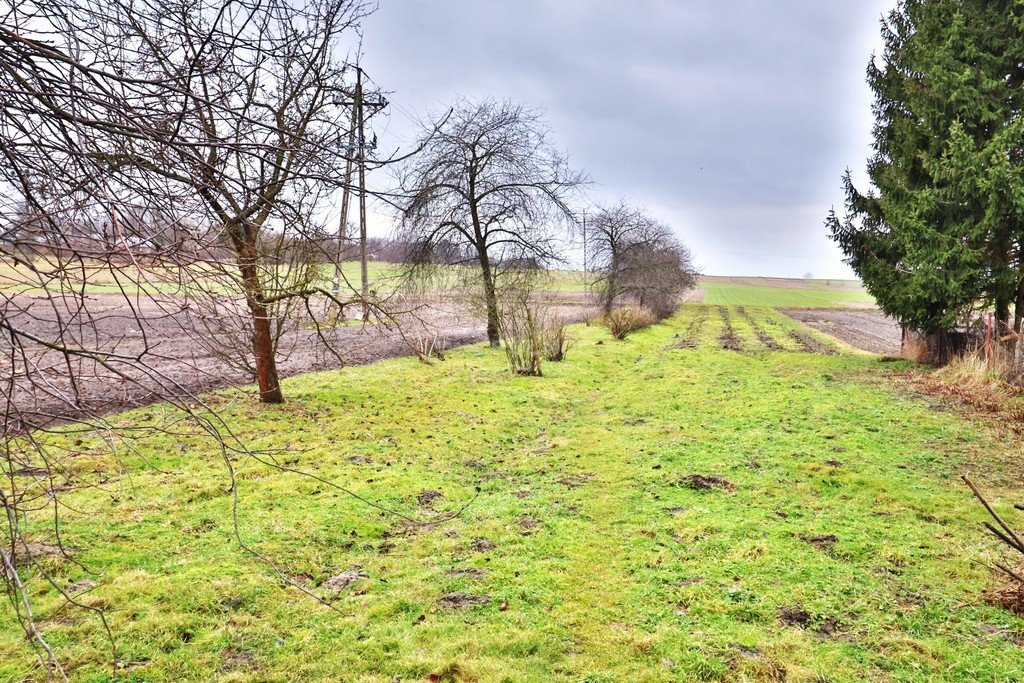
1004, 532
28, 620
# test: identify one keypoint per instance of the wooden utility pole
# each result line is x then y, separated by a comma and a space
363, 274
357, 149
345, 193
586, 277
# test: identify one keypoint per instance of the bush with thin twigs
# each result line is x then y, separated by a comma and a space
429, 345
555, 340
521, 331
622, 322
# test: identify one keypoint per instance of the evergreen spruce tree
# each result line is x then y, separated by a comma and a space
941, 231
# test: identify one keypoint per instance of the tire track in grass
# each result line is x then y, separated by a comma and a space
690, 338
810, 344
728, 339
766, 339
778, 326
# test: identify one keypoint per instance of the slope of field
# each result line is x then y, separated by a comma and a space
668, 508
753, 291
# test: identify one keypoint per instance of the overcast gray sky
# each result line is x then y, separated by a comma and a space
732, 120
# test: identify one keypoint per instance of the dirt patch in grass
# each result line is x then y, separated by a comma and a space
766, 339
427, 498
480, 545
826, 542
456, 600
528, 524
467, 573
574, 481
706, 482
35, 550
828, 627
232, 659
728, 340
31, 472
794, 615
340, 582
81, 586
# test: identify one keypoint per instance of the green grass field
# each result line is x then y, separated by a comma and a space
730, 291
840, 546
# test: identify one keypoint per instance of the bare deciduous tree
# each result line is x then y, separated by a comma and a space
167, 155
636, 258
490, 185
252, 111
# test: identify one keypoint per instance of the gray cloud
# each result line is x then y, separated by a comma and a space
732, 120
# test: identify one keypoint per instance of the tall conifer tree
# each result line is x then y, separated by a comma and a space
940, 232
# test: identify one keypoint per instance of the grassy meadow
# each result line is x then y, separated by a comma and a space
752, 291
658, 509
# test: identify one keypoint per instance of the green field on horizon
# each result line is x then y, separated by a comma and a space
754, 291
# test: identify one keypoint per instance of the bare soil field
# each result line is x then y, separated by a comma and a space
161, 348
868, 330
782, 282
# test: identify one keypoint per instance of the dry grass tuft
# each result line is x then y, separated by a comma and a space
981, 384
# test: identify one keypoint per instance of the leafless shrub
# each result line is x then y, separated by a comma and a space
555, 340
623, 321
430, 345
521, 327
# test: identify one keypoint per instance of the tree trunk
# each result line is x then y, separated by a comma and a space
939, 350
610, 281
1006, 291
1018, 309
1002, 315
609, 294
263, 350
490, 299
262, 337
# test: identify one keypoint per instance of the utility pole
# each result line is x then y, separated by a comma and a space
586, 279
357, 149
363, 274
345, 193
